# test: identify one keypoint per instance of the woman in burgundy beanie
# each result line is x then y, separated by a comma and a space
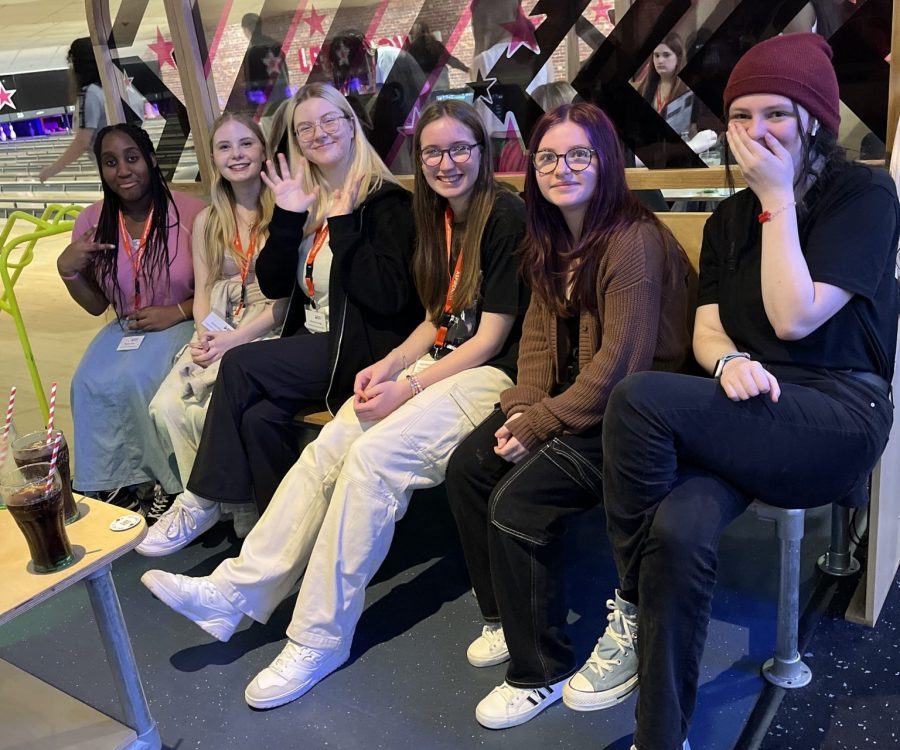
797, 324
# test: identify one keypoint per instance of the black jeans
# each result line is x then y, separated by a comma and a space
249, 439
680, 462
511, 519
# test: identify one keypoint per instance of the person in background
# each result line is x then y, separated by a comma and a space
334, 514
132, 252
229, 307
797, 324
609, 297
90, 106
340, 246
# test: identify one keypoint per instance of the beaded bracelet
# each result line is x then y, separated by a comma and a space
414, 384
769, 215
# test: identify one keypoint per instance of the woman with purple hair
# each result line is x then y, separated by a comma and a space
609, 297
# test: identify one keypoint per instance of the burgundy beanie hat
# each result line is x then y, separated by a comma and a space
797, 66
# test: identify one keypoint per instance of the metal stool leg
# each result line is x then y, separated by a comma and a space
838, 561
786, 669
108, 612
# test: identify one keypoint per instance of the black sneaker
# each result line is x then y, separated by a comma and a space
121, 497
160, 503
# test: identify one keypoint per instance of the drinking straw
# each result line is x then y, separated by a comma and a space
53, 459
52, 412
4, 444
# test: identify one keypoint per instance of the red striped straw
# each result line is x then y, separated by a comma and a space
52, 412
53, 459
4, 444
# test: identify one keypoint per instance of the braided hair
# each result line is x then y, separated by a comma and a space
156, 257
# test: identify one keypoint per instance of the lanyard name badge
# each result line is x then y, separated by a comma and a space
136, 256
441, 337
246, 262
316, 321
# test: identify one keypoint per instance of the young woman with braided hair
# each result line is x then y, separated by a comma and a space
132, 252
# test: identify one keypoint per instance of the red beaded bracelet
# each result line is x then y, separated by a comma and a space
769, 215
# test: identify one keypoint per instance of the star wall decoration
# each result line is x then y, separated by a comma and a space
482, 88
314, 21
522, 30
163, 50
6, 96
273, 64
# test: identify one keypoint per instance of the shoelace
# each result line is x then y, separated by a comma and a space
176, 519
514, 696
291, 654
619, 631
160, 504
494, 637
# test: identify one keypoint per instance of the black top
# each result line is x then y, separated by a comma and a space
849, 240
503, 289
373, 305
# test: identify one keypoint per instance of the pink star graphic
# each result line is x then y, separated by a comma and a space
314, 21
600, 10
409, 126
163, 50
127, 80
522, 30
6, 96
273, 64
512, 127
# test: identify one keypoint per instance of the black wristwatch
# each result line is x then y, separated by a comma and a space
720, 365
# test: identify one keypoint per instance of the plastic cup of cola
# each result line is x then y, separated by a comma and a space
36, 505
33, 448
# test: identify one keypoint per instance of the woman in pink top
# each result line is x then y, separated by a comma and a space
132, 252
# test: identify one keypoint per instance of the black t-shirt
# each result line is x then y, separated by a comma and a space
503, 289
849, 240
567, 343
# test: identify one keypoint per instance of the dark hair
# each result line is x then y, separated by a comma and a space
549, 250
651, 82
84, 64
157, 258
251, 22
430, 260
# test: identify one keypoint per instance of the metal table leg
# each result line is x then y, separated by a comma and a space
108, 612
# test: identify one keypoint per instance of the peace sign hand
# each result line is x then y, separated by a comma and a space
77, 256
343, 200
288, 189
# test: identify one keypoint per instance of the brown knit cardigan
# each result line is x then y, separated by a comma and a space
642, 324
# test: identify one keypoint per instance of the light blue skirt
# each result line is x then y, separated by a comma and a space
116, 443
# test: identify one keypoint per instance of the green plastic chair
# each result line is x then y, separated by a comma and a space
15, 255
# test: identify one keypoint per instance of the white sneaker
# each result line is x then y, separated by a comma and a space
198, 599
188, 518
610, 674
489, 648
292, 674
507, 706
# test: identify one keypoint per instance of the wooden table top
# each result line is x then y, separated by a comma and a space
93, 543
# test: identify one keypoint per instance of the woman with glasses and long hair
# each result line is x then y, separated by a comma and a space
132, 252
229, 307
333, 516
609, 297
797, 324
340, 247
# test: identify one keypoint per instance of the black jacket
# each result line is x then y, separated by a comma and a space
373, 304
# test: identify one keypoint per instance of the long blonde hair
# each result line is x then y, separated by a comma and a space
430, 260
363, 158
221, 227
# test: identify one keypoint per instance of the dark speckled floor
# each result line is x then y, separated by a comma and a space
407, 684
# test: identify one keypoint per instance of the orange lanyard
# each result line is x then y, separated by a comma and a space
321, 236
246, 261
136, 258
661, 103
454, 280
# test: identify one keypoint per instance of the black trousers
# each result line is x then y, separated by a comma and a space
511, 519
249, 440
681, 461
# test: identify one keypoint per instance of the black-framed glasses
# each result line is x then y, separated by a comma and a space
458, 153
330, 124
577, 159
